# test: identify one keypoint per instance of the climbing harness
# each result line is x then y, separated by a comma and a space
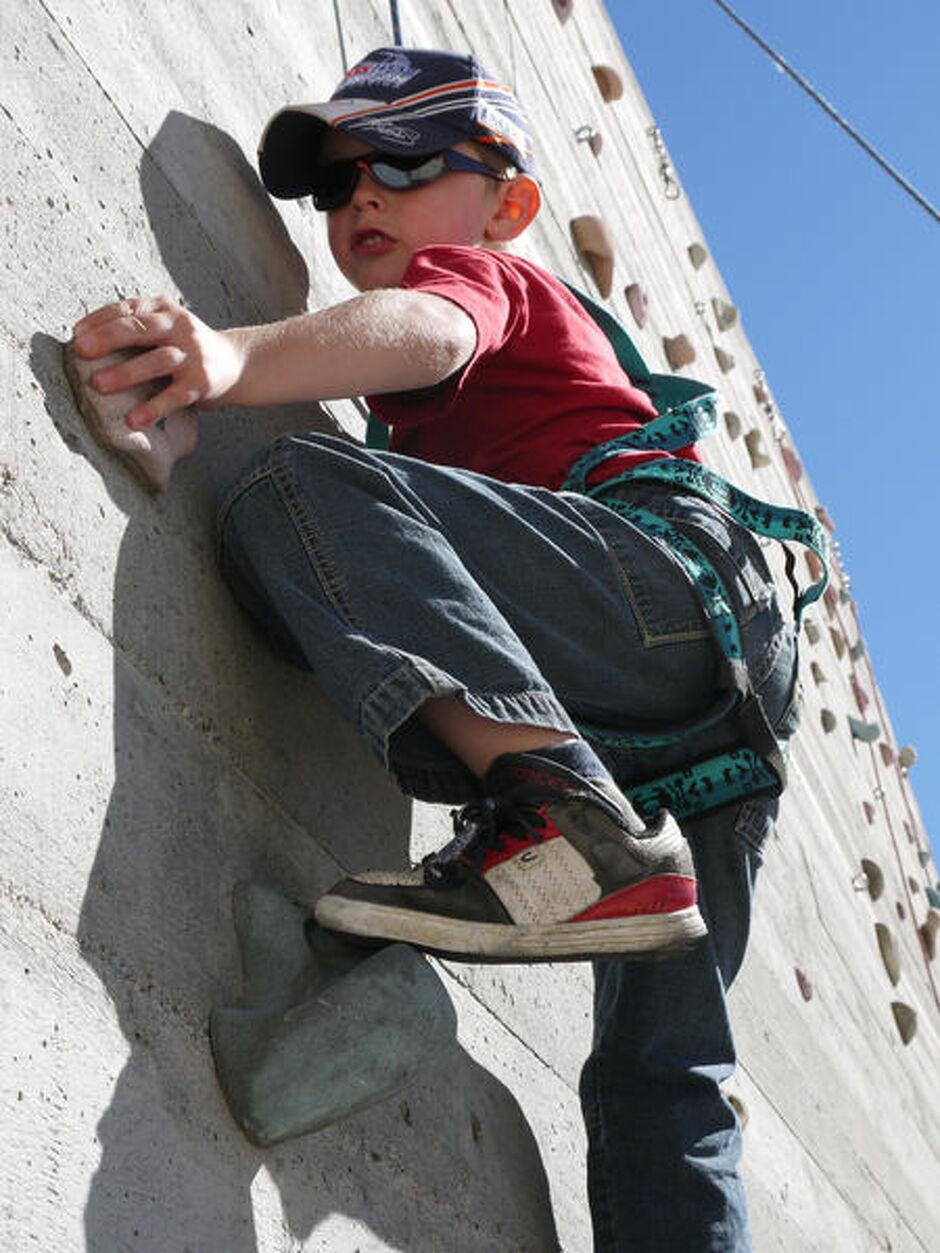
687, 413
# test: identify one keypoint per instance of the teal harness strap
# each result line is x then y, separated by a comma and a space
704, 785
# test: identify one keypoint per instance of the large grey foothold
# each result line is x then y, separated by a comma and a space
328, 1029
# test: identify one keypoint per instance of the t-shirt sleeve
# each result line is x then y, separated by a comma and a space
472, 279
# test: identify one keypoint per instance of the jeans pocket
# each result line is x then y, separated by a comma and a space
754, 825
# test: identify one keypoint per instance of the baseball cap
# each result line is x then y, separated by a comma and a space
402, 101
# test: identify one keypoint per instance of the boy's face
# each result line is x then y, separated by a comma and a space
373, 237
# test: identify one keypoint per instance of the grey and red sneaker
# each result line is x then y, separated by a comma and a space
556, 868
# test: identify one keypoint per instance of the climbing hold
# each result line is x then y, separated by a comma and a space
812, 630
793, 464
890, 953
933, 896
874, 876
698, 255
817, 672
724, 359
593, 242
913, 884
725, 315
563, 8
928, 933
869, 811
753, 439
822, 513
732, 424
923, 857
861, 696
150, 454
679, 351
906, 1020
815, 566
804, 983
828, 720
907, 757
761, 394
638, 302
857, 651
593, 138
838, 641
887, 753
831, 600
609, 82
900, 910
867, 732
327, 1028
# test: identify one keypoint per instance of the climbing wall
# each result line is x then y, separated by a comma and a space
154, 754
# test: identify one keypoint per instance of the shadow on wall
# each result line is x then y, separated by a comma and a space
210, 788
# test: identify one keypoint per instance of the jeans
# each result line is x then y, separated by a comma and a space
395, 581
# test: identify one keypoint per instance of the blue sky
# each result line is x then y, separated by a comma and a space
836, 271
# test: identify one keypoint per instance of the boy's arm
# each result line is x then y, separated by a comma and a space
380, 341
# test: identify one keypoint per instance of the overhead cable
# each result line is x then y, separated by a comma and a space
824, 103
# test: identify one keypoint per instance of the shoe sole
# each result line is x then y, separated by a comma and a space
642, 935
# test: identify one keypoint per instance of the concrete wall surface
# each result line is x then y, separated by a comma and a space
154, 753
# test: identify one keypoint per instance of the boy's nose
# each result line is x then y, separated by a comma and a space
367, 191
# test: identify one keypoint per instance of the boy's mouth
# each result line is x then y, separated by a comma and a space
371, 242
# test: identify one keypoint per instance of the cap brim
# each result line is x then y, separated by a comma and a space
289, 151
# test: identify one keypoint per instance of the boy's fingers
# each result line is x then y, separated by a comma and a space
139, 369
121, 325
173, 398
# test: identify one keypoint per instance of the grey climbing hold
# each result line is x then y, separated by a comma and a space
928, 933
754, 441
828, 721
698, 255
726, 315
906, 1020
875, 877
595, 245
732, 424
812, 630
725, 360
327, 1029
890, 953
867, 732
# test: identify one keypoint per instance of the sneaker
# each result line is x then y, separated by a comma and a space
556, 868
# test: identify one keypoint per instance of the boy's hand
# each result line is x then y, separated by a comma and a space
200, 365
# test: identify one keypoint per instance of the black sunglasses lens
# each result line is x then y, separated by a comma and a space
400, 173
333, 184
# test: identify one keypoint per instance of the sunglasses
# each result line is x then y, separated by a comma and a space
332, 186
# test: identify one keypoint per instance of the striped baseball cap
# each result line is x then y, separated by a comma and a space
403, 101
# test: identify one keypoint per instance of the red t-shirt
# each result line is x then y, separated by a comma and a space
542, 387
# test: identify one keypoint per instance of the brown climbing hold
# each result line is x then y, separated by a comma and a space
817, 672
698, 254
754, 439
874, 877
592, 240
928, 933
812, 630
814, 565
887, 753
563, 8
906, 1020
793, 464
761, 394
861, 696
869, 811
732, 424
679, 351
890, 954
609, 82
150, 454
805, 985
638, 302
828, 720
838, 641
593, 138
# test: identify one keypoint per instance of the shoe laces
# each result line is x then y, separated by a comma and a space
478, 827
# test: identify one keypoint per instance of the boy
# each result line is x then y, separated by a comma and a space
468, 616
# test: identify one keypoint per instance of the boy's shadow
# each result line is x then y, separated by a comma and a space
224, 759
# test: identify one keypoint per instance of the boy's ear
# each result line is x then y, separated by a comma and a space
519, 202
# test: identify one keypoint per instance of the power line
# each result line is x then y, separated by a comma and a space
824, 103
